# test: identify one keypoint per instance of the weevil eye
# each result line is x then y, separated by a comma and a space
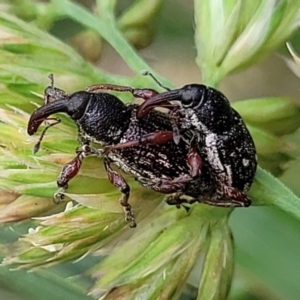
192, 95
187, 99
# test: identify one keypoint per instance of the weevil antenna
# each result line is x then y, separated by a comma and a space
147, 73
38, 144
51, 77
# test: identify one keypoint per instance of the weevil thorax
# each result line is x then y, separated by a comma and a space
102, 118
205, 109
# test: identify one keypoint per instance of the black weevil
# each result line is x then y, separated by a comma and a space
144, 148
222, 139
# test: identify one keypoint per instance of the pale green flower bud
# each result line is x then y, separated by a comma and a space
231, 35
24, 207
89, 45
218, 264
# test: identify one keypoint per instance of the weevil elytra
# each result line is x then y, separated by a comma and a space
143, 148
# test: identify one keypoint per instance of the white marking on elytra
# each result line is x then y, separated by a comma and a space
246, 162
211, 148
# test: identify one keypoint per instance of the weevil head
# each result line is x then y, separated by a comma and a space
196, 103
74, 106
100, 117
206, 106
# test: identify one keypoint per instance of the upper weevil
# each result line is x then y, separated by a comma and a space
144, 148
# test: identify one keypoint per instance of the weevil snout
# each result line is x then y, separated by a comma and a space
159, 100
42, 113
74, 106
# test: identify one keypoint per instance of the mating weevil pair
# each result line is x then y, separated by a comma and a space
201, 148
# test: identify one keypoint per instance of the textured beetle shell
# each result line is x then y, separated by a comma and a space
224, 142
104, 119
148, 163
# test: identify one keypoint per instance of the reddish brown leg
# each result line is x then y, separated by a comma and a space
119, 182
70, 170
167, 186
227, 196
194, 162
138, 93
154, 138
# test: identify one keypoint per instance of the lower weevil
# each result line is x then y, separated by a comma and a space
144, 148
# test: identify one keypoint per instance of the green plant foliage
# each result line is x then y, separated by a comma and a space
170, 247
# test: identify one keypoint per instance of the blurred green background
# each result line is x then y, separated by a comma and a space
267, 240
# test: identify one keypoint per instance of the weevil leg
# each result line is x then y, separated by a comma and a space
221, 202
154, 138
145, 94
137, 93
167, 185
118, 181
82, 140
89, 151
37, 146
240, 199
176, 133
179, 202
194, 161
70, 170
227, 196
175, 199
